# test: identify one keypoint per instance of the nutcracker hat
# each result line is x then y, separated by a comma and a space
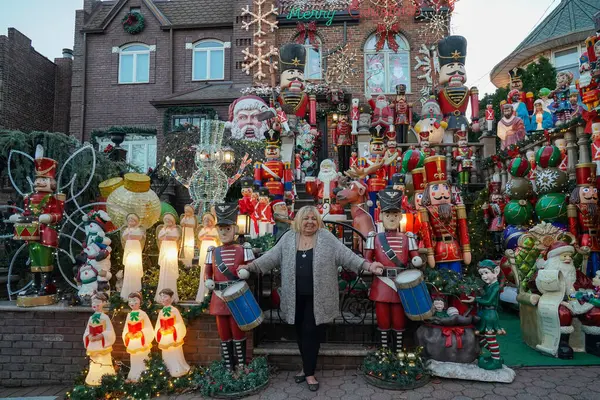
435, 170
400, 89
461, 135
585, 174
424, 135
515, 74
398, 179
292, 56
390, 200
44, 167
376, 134
247, 182
226, 214
558, 248
419, 180
452, 49
273, 137
263, 192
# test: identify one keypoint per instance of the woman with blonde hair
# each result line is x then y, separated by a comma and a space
309, 256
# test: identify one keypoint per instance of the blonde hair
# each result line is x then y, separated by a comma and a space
303, 212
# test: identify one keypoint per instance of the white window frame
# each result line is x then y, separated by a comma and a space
386, 61
308, 48
186, 116
208, 51
563, 68
130, 140
123, 51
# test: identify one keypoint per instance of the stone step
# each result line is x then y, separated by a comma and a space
327, 349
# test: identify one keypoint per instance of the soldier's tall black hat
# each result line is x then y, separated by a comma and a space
377, 134
390, 200
292, 56
247, 182
226, 213
273, 137
452, 49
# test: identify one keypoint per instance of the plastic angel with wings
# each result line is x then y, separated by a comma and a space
168, 236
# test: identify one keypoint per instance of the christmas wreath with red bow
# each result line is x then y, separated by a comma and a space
133, 22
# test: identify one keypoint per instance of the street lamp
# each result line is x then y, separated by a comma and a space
228, 155
243, 223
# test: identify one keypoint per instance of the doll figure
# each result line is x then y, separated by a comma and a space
169, 333
168, 236
188, 223
133, 238
489, 117
208, 237
98, 339
137, 336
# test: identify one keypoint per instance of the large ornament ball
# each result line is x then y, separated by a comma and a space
519, 167
552, 207
550, 180
512, 233
519, 188
548, 157
518, 212
135, 196
166, 208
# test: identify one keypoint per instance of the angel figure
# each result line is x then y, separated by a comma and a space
188, 223
168, 235
208, 237
133, 238
138, 336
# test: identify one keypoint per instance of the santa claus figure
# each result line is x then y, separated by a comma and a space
396, 251
354, 116
323, 187
382, 113
402, 114
244, 118
493, 213
510, 129
583, 214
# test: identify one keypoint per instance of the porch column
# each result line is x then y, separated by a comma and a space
571, 152
583, 141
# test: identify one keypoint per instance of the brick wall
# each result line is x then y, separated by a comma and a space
45, 347
62, 94
3, 40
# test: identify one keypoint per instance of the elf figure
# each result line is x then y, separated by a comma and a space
223, 265
463, 155
170, 331
395, 250
138, 336
98, 338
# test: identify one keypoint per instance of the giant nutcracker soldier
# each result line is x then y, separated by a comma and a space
493, 214
392, 249
274, 174
37, 225
583, 214
223, 265
444, 223
454, 98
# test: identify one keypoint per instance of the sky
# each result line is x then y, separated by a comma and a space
493, 28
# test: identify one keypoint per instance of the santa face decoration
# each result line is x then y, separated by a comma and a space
391, 219
292, 80
588, 195
439, 194
450, 70
244, 123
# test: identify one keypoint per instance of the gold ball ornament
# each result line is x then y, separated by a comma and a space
134, 196
108, 186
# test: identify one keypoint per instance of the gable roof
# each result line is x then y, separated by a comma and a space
169, 13
572, 21
210, 93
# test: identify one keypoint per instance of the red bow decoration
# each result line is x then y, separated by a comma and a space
457, 331
513, 152
307, 30
547, 136
386, 33
108, 148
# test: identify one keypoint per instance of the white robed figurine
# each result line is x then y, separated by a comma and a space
188, 223
167, 236
208, 237
170, 332
133, 238
98, 339
137, 337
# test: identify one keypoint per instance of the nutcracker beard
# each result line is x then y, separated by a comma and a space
445, 212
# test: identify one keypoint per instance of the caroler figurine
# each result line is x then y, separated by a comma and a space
133, 238
395, 250
43, 211
208, 237
138, 336
168, 235
98, 338
188, 223
170, 333
223, 265
463, 155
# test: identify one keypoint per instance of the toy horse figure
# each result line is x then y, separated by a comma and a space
355, 194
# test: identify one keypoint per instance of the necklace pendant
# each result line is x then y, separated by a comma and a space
303, 255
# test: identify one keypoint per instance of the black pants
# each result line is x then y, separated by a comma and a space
308, 333
344, 157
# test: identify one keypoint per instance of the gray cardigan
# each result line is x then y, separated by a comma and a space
329, 253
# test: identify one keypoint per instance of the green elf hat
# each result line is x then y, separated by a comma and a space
487, 264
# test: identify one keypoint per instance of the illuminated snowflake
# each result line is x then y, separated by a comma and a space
437, 26
340, 66
260, 18
258, 59
427, 65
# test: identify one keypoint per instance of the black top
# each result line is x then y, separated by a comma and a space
304, 272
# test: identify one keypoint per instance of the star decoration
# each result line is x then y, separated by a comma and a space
295, 61
340, 66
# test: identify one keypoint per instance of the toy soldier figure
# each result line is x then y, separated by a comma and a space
402, 114
222, 266
426, 148
490, 116
392, 249
393, 156
274, 174
343, 141
37, 225
444, 223
354, 116
516, 85
463, 155
377, 179
263, 213
493, 213
583, 214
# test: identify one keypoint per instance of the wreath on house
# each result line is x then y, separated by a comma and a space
133, 22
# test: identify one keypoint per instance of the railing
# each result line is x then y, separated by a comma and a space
356, 323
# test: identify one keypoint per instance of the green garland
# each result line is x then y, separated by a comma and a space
133, 22
450, 283
482, 244
264, 243
401, 369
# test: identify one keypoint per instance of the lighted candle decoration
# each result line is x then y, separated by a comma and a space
208, 237
137, 337
188, 223
168, 235
133, 238
98, 339
403, 221
170, 332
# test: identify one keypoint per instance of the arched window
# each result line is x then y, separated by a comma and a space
313, 69
134, 63
208, 62
385, 69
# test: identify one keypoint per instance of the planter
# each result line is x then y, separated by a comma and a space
387, 385
240, 395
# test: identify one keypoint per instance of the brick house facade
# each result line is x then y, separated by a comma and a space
35, 93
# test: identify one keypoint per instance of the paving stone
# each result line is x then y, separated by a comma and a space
537, 391
335, 393
589, 372
425, 389
381, 396
567, 389
505, 391
495, 397
461, 398
442, 394
560, 396
278, 396
293, 389
364, 391
474, 393
349, 387
526, 396
587, 396
333, 382
544, 384
452, 386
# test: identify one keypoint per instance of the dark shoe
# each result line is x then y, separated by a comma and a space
299, 378
592, 344
313, 387
565, 352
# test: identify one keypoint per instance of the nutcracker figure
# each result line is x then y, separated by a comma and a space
274, 174
223, 265
343, 141
247, 203
516, 84
493, 214
561, 107
396, 251
583, 214
354, 116
377, 180
98, 339
463, 155
426, 148
402, 114
419, 183
489, 116
589, 91
393, 156
444, 224
37, 225
596, 150
353, 158
170, 332
263, 213
382, 113
454, 100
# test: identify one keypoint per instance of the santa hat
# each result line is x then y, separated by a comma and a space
558, 248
